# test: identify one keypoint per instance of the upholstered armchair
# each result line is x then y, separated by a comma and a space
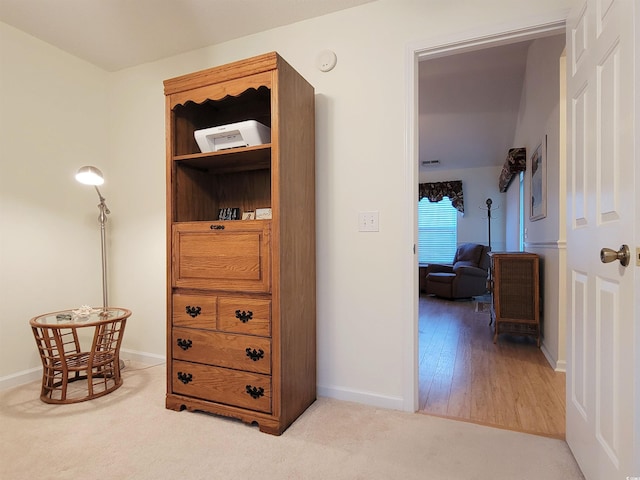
464, 278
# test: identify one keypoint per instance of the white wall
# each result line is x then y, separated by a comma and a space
363, 285
539, 116
52, 121
478, 184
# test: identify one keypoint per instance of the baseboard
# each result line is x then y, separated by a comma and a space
557, 365
561, 367
142, 357
348, 395
20, 378
35, 374
365, 398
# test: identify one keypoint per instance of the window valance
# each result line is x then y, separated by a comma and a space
436, 191
516, 162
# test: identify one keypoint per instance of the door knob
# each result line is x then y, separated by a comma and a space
607, 255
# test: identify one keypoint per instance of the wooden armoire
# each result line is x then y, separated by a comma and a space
241, 294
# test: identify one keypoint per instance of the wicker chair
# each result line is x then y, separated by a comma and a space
465, 277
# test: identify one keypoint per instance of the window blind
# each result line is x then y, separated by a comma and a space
437, 231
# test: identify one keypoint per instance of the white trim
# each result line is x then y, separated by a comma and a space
20, 378
558, 245
504, 34
365, 398
534, 27
557, 365
35, 374
142, 357
410, 327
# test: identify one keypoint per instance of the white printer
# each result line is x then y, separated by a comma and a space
232, 135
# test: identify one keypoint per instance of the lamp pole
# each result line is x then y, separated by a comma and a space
489, 279
489, 202
102, 218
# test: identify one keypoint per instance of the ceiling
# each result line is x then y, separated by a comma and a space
115, 34
468, 102
468, 106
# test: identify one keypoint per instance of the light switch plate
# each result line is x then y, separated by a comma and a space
368, 222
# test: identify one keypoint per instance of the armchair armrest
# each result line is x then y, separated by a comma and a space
469, 271
438, 268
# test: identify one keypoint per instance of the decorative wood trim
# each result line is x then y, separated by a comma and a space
222, 73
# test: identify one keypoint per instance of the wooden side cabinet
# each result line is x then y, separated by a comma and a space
515, 294
241, 287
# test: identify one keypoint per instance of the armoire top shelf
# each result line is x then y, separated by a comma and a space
230, 160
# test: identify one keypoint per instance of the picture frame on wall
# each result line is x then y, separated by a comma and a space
538, 182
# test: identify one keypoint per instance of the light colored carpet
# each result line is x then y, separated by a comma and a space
128, 434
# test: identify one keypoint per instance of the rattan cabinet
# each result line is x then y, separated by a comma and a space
515, 294
241, 304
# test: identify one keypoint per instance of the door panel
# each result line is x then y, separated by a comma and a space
601, 213
578, 384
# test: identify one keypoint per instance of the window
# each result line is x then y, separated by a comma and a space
437, 231
521, 214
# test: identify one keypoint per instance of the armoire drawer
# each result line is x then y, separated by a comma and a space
222, 385
241, 352
195, 311
251, 316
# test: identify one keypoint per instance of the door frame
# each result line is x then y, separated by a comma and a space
504, 34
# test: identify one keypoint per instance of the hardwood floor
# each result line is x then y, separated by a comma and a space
464, 375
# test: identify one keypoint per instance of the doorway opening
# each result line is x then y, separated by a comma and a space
469, 44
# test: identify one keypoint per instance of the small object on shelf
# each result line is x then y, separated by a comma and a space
84, 311
249, 216
263, 213
233, 135
229, 214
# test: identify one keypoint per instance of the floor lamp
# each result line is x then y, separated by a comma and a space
489, 202
92, 176
489, 279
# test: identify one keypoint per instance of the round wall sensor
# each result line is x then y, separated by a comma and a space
326, 60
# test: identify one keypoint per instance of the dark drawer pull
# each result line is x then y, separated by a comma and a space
254, 354
243, 316
184, 344
255, 392
185, 377
193, 312
217, 227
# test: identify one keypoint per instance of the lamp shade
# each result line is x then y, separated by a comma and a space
89, 176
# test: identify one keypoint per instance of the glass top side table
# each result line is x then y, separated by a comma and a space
65, 360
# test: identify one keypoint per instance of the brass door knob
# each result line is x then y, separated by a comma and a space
608, 255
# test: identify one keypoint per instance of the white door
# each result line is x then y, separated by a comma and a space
603, 418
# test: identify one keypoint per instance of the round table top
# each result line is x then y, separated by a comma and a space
72, 319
